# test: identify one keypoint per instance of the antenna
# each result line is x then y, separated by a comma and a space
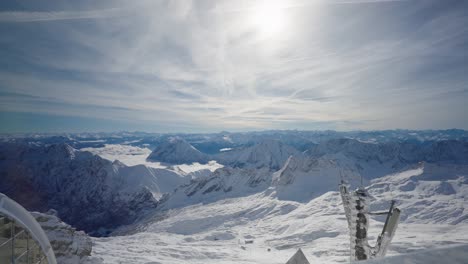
357, 214
340, 170
341, 175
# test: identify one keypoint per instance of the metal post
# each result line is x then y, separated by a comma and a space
356, 210
12, 232
361, 246
357, 214
27, 247
388, 217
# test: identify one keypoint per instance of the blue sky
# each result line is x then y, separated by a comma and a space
199, 66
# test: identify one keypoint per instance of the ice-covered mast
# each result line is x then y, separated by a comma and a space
357, 213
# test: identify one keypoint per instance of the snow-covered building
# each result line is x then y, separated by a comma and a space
22, 239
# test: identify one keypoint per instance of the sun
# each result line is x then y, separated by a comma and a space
268, 17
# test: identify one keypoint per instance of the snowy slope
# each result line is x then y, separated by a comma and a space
430, 193
131, 156
270, 154
220, 232
373, 160
303, 178
223, 183
177, 151
158, 181
300, 179
449, 254
263, 227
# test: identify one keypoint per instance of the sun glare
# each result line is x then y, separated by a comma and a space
268, 17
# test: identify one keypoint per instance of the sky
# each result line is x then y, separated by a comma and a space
206, 66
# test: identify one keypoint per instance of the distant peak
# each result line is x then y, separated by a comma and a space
62, 149
177, 151
176, 139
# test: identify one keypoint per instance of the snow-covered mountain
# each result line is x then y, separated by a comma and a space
270, 154
88, 191
260, 227
157, 180
374, 160
429, 193
300, 179
177, 151
223, 183
303, 178
211, 143
258, 203
297, 206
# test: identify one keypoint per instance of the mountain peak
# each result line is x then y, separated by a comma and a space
269, 153
61, 150
177, 151
176, 139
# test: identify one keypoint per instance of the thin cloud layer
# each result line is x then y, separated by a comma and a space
213, 65
21, 16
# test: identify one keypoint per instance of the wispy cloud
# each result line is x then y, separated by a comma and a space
204, 65
25, 16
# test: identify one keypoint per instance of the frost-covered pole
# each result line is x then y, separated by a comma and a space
356, 210
362, 224
357, 213
388, 231
346, 198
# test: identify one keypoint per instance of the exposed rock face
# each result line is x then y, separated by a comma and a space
88, 192
70, 246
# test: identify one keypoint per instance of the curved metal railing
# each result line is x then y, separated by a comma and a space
21, 216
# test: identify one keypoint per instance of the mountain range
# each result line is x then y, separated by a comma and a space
258, 187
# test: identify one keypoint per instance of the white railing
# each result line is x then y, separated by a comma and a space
22, 217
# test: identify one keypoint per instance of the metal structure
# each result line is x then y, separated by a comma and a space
22, 239
357, 213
